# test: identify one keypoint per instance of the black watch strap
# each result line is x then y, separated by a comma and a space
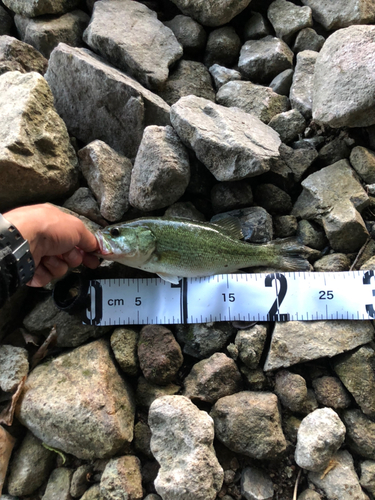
20, 259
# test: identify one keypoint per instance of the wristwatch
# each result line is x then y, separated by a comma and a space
16, 254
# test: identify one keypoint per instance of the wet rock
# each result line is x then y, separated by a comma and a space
343, 13
334, 262
256, 223
367, 479
273, 199
230, 143
332, 196
147, 393
188, 78
108, 176
344, 67
201, 340
211, 12
363, 162
256, 484
308, 39
257, 100
87, 381
159, 354
288, 124
124, 343
298, 160
356, 372
302, 90
45, 33
341, 481
319, 436
250, 344
261, 60
58, 484
222, 75
256, 27
142, 438
230, 195
282, 82
19, 56
285, 226
189, 468
133, 28
360, 433
299, 341
212, 379
223, 47
330, 392
6, 22
186, 210
37, 161
82, 202
190, 34
14, 366
80, 480
30, 466
288, 18
98, 102
122, 479
291, 389
311, 235
161, 170
40, 7
249, 423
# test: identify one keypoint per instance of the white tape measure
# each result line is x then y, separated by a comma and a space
300, 296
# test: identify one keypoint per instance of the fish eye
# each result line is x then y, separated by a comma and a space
114, 231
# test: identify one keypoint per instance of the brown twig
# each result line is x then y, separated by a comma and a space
359, 254
296, 485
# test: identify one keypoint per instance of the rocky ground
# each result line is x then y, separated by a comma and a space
264, 109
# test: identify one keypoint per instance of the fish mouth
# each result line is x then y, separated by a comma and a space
104, 246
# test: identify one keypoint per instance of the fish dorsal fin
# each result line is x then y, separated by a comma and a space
230, 226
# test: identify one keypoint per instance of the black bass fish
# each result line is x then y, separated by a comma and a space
181, 248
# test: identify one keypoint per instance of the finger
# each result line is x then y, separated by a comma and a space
55, 266
87, 241
41, 277
90, 261
73, 258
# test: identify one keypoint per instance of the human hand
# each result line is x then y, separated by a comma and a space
57, 240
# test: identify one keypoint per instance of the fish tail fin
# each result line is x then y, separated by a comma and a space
290, 255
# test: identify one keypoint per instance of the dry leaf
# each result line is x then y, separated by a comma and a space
41, 353
30, 339
6, 446
6, 416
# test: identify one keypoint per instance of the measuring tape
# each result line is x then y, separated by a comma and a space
298, 296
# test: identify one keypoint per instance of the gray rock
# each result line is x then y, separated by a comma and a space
230, 195
14, 366
282, 82
186, 210
80, 480
308, 39
90, 225
360, 433
334, 151
211, 12
69, 328
330, 392
257, 100
356, 372
142, 439
124, 343
363, 162
153, 496
147, 393
93, 493
309, 495
250, 344
319, 436
78, 403
223, 47
222, 75
288, 124
122, 479
232, 144
291, 389
37, 161
367, 479
161, 170
341, 481
288, 18
273, 199
82, 202
40, 7
261, 60
285, 226
256, 27
30, 467
334, 262
249, 423
98, 102
298, 160
311, 235
212, 379
58, 484
190, 34
256, 223
256, 484
19, 56
201, 340
345, 67
189, 469
188, 77
6, 22
299, 341
302, 89
137, 42
108, 176
45, 33
342, 13
255, 379
334, 197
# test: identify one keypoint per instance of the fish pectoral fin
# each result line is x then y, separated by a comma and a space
169, 277
230, 226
